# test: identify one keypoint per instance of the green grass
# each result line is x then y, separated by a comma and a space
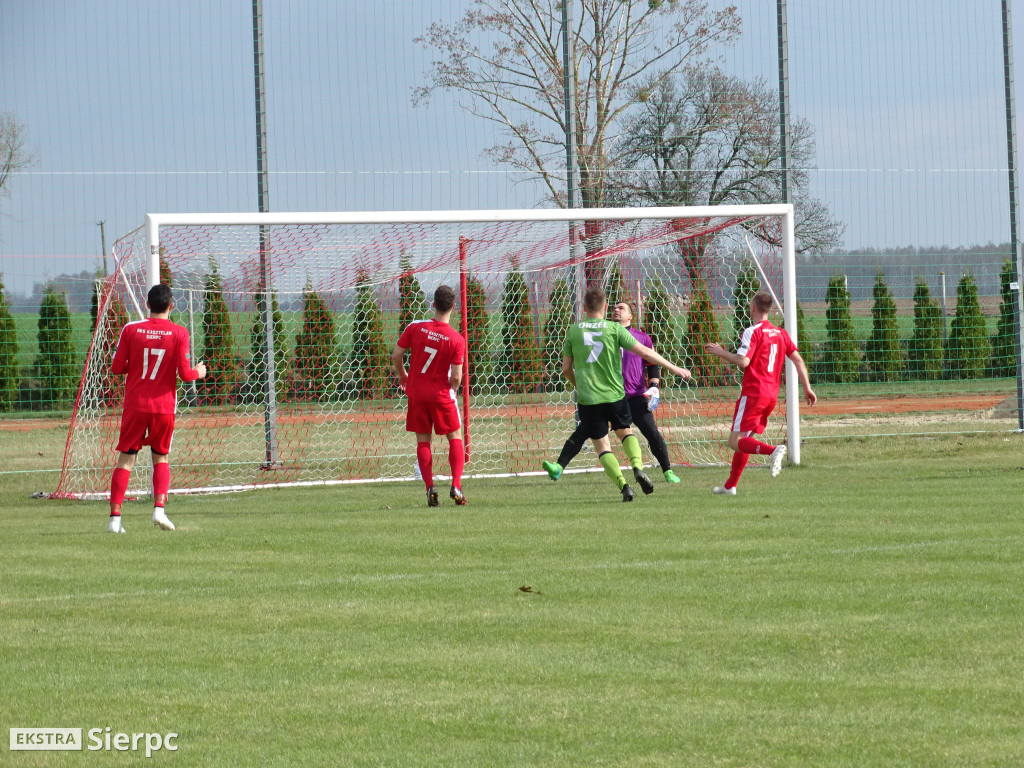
863, 609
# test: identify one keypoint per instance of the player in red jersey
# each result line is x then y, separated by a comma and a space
761, 355
152, 354
436, 356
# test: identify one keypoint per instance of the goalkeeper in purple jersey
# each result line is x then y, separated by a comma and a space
641, 384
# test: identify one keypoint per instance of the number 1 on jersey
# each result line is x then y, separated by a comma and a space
771, 357
158, 354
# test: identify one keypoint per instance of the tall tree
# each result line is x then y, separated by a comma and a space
701, 329
313, 375
412, 305
924, 353
218, 344
8, 354
1004, 343
659, 323
478, 343
840, 360
743, 290
256, 367
706, 138
15, 155
503, 62
614, 285
967, 349
55, 366
882, 351
556, 325
370, 359
521, 360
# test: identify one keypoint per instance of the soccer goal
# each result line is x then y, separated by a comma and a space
295, 315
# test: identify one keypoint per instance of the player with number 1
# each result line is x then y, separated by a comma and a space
153, 354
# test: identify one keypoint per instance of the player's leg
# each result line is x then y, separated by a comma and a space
119, 487
741, 425
161, 435
761, 409
573, 445
595, 421
448, 421
418, 421
619, 416
644, 420
131, 439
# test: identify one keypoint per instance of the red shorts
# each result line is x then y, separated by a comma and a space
139, 429
752, 414
441, 416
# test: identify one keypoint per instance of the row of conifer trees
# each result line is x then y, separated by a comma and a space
525, 358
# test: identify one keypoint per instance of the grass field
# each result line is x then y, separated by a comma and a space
864, 609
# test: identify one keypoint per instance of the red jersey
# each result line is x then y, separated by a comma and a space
153, 353
434, 348
767, 348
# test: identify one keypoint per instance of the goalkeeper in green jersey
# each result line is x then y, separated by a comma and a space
592, 361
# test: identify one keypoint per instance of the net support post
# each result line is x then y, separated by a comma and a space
464, 329
789, 314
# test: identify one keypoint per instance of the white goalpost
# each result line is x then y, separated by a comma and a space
298, 312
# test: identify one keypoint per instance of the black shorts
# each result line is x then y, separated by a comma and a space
594, 419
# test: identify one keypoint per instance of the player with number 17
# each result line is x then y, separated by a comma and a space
152, 355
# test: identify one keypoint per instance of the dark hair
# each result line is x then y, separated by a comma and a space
444, 298
593, 299
762, 302
160, 298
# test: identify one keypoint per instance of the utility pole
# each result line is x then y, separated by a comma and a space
571, 163
1016, 259
265, 297
103, 244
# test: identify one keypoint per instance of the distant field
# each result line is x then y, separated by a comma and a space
863, 610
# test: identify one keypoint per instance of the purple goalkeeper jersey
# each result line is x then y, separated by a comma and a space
633, 366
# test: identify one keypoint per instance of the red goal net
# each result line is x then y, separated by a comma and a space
296, 323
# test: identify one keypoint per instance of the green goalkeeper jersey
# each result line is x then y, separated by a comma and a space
595, 347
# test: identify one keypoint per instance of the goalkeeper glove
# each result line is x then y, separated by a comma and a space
653, 398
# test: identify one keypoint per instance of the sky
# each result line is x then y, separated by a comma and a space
136, 106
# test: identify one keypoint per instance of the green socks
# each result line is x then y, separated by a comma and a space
610, 464
631, 447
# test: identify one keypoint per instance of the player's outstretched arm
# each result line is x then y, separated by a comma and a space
805, 379
652, 357
741, 361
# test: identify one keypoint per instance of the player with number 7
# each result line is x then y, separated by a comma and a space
152, 355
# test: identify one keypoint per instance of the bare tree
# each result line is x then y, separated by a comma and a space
707, 138
503, 60
14, 154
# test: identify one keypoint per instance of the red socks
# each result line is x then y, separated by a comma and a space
739, 461
425, 461
118, 488
457, 460
161, 482
750, 445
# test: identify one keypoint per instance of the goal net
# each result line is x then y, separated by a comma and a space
295, 316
